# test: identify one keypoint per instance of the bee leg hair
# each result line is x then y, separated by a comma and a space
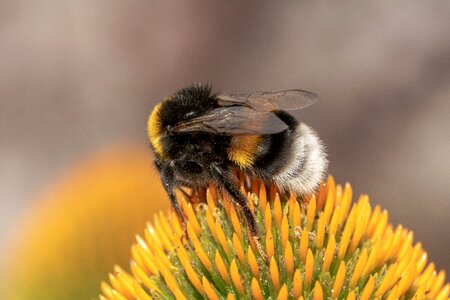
170, 183
225, 181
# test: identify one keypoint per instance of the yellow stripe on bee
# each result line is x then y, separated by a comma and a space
154, 129
243, 148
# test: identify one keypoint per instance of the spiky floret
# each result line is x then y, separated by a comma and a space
322, 248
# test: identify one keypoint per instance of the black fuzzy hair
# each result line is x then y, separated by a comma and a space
187, 103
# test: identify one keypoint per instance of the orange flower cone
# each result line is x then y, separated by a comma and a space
324, 248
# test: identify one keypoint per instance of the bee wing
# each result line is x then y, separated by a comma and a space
270, 101
233, 120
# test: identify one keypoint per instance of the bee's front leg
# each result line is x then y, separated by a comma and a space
224, 180
170, 184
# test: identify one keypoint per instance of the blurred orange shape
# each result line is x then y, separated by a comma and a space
70, 238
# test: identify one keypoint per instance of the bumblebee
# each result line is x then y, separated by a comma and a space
201, 138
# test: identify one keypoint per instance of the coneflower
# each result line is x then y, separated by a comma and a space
324, 247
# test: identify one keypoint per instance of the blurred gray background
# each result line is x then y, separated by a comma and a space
77, 76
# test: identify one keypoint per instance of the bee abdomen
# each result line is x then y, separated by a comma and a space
243, 148
306, 166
